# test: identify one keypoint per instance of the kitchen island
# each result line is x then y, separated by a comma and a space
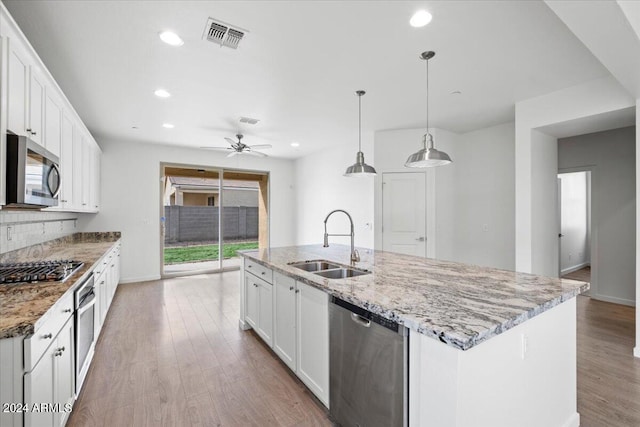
487, 347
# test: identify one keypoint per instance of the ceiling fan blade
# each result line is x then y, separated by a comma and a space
233, 153
255, 153
218, 148
260, 146
230, 141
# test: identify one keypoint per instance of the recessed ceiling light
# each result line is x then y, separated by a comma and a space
134, 127
171, 38
161, 93
168, 125
420, 19
295, 144
456, 92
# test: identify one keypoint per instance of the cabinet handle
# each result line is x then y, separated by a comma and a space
290, 288
84, 204
29, 130
249, 266
263, 273
255, 284
102, 283
67, 310
34, 133
57, 353
47, 336
63, 201
297, 291
113, 265
61, 349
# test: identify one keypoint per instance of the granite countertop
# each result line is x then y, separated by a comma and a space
22, 305
459, 304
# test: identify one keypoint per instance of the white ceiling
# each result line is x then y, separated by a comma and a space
299, 66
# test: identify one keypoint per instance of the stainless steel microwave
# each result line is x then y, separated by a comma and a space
33, 174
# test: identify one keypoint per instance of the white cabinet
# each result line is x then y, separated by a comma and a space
17, 87
284, 341
106, 277
66, 164
301, 336
52, 122
51, 381
313, 339
36, 105
259, 307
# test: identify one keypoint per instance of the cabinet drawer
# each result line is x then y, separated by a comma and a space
45, 334
259, 270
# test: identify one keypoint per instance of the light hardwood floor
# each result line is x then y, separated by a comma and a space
171, 354
582, 274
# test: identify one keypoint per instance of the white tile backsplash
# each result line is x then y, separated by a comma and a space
19, 229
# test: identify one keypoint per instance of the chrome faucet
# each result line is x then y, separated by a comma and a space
355, 256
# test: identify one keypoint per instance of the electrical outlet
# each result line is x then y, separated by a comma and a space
485, 227
570, 256
9, 233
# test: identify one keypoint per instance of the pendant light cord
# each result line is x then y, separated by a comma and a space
359, 122
427, 61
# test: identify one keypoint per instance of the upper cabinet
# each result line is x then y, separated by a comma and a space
32, 104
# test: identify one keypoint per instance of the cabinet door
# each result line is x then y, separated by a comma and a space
36, 105
64, 373
39, 389
95, 190
284, 316
313, 340
265, 312
66, 164
18, 90
52, 122
86, 172
251, 296
78, 150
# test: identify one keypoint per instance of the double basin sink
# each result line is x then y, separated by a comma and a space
328, 269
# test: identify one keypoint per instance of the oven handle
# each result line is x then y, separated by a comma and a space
87, 302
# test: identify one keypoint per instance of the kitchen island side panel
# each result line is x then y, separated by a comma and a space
525, 377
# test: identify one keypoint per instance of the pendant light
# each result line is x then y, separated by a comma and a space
360, 168
428, 156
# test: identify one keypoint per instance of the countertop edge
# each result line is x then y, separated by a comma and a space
442, 336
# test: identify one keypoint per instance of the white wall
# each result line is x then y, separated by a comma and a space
593, 98
392, 148
612, 155
131, 191
574, 221
484, 226
321, 187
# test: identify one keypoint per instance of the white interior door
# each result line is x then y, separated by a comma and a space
404, 213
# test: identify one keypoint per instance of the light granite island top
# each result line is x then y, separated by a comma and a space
459, 304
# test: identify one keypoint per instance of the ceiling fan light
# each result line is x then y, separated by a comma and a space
360, 168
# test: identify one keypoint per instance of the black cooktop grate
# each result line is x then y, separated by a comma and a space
41, 271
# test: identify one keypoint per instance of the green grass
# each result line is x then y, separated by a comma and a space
204, 253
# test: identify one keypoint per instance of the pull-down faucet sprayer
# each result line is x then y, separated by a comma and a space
355, 256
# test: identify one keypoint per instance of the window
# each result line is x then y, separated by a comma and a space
211, 201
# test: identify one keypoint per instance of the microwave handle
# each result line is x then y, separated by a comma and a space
57, 190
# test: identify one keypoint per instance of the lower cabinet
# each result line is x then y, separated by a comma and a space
301, 336
49, 386
259, 306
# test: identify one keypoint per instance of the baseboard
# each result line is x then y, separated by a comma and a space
636, 352
573, 421
139, 279
574, 268
614, 300
243, 325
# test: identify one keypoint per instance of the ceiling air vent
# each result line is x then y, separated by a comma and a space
223, 34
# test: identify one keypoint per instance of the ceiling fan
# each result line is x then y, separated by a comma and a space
239, 147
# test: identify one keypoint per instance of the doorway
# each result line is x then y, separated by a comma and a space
404, 213
575, 237
207, 215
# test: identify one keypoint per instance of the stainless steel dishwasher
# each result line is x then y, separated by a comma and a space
368, 368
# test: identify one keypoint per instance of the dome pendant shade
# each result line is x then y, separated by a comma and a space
428, 156
360, 168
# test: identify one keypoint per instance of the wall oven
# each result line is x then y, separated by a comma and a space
85, 305
33, 174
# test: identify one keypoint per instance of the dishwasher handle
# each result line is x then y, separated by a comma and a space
362, 321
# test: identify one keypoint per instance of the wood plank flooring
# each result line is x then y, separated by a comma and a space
583, 274
171, 354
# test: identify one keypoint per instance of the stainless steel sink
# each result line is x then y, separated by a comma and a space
341, 273
314, 265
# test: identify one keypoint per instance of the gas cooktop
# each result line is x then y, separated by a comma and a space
41, 271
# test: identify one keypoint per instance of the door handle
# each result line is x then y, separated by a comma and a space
420, 239
560, 235
360, 320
